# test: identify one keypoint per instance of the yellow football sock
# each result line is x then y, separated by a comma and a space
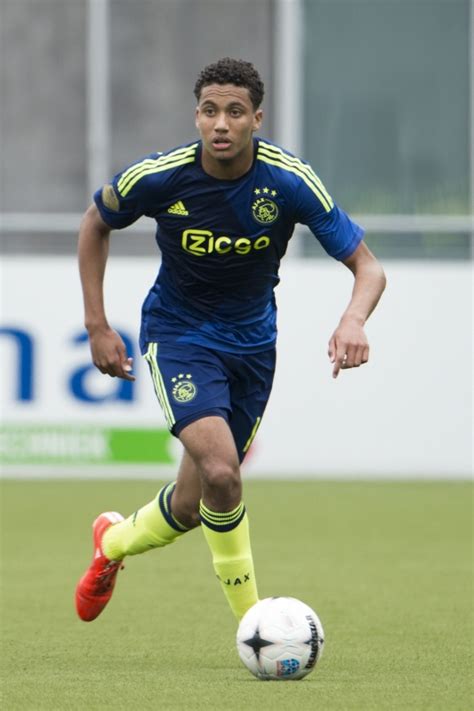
152, 526
227, 535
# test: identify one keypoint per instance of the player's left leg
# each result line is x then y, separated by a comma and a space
210, 443
223, 514
218, 447
249, 393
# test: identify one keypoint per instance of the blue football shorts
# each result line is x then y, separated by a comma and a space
193, 381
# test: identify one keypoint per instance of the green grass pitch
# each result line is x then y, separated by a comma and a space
387, 566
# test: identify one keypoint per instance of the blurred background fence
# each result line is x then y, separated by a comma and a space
376, 94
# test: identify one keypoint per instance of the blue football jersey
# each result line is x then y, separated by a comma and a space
222, 241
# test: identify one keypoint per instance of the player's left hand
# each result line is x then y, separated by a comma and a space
348, 346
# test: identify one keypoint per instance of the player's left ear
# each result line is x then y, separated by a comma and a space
257, 119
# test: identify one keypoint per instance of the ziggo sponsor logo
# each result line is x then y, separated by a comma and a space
202, 242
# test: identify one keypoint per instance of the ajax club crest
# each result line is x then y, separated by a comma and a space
184, 389
264, 209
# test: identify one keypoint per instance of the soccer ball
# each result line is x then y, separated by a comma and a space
280, 638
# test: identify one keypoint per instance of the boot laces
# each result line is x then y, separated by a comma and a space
106, 577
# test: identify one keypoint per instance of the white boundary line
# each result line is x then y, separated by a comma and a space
163, 473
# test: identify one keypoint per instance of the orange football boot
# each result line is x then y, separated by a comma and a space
96, 586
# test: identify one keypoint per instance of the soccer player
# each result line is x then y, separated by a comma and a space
225, 207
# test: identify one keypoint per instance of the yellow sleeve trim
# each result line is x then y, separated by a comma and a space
275, 156
154, 165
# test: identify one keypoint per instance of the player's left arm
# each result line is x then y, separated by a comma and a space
348, 345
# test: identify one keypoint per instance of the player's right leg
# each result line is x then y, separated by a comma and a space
190, 383
157, 524
152, 526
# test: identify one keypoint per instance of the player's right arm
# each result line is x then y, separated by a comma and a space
116, 205
107, 347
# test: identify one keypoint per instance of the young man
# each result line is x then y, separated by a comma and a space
225, 208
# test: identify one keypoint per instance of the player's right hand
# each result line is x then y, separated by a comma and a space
109, 354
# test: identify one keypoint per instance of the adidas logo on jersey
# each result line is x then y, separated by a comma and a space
178, 209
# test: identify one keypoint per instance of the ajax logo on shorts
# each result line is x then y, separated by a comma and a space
184, 389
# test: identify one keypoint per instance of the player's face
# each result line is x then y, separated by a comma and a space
226, 120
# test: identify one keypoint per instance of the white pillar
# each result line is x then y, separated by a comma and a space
471, 115
98, 93
288, 86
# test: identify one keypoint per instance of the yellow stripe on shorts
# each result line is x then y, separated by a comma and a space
252, 434
160, 390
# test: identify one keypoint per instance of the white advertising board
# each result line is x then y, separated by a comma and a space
405, 414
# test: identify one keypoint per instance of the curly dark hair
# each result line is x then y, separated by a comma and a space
232, 71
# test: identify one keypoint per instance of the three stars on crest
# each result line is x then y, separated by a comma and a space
265, 191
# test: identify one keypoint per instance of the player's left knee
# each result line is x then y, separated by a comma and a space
221, 485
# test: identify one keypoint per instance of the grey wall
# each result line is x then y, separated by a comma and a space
42, 104
385, 103
386, 113
157, 48
388, 95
